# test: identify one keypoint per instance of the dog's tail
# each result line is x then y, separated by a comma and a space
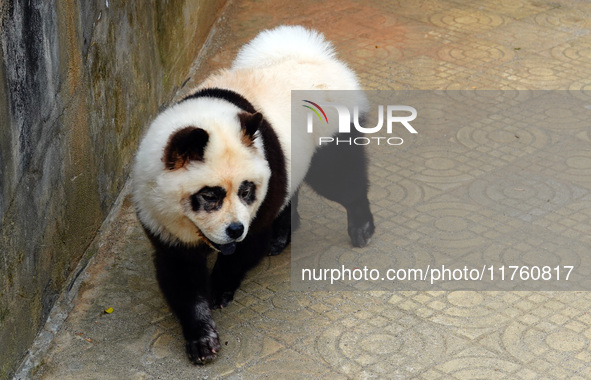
287, 41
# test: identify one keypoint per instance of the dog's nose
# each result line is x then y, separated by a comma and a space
235, 230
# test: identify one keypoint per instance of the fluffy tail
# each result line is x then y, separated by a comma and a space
274, 45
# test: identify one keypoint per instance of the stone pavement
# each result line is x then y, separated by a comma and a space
497, 189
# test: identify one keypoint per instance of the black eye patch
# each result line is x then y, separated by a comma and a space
208, 199
247, 192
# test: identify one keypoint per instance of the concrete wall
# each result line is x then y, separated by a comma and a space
78, 82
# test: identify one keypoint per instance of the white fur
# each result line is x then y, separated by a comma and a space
264, 72
281, 43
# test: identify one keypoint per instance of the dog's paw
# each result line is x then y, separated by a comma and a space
204, 349
222, 299
279, 243
360, 236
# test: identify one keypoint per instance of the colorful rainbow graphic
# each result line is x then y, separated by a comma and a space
316, 112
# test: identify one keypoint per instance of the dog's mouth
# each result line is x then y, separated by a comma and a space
225, 249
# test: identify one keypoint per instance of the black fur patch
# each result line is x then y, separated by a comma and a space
250, 123
187, 144
221, 93
277, 189
209, 199
247, 192
195, 202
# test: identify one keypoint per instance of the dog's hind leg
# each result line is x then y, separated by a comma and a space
339, 173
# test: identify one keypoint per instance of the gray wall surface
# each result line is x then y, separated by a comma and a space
79, 80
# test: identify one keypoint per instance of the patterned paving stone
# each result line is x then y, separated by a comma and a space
476, 54
513, 9
466, 19
523, 36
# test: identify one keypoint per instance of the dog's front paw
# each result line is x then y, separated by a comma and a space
222, 299
205, 348
279, 243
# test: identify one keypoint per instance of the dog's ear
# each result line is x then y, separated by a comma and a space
250, 123
185, 145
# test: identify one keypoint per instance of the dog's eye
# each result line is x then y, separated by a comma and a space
209, 197
212, 196
247, 192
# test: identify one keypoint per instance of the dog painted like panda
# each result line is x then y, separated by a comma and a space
216, 172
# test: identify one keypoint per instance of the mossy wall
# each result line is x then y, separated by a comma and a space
79, 80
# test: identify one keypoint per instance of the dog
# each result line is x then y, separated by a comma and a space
220, 170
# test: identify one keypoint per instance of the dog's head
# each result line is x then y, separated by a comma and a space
212, 175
